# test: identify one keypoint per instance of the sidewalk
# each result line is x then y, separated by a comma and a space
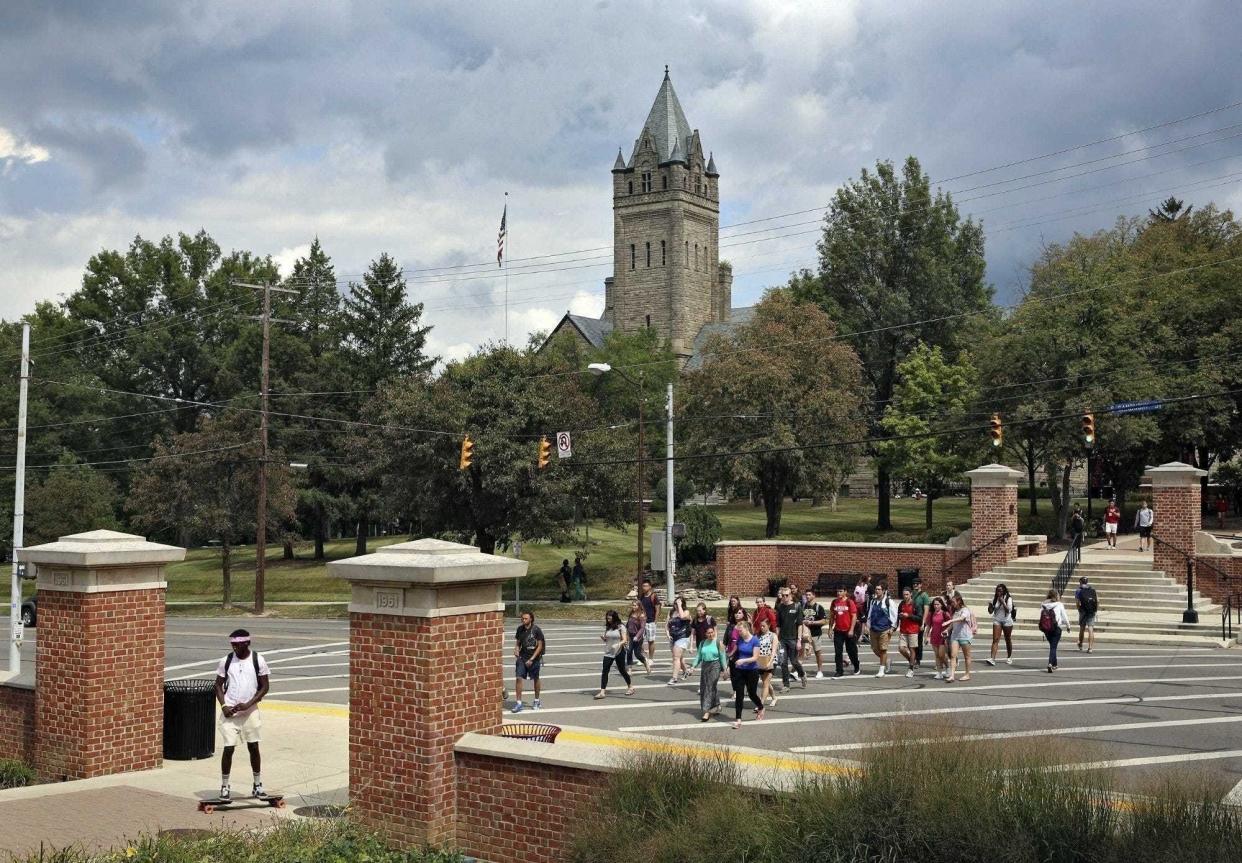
305, 757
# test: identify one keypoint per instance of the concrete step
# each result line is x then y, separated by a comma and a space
1134, 574
1172, 593
1158, 633
1141, 608
1125, 566
1031, 578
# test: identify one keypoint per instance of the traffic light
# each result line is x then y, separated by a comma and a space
545, 452
997, 431
1088, 428
467, 453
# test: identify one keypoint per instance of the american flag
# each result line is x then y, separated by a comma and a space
500, 238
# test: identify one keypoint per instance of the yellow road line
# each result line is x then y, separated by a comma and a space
773, 760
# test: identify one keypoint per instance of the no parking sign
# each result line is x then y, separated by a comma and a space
564, 447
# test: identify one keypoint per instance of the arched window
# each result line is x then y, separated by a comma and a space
664, 181
686, 259
696, 256
649, 254
631, 187
647, 181
663, 254
633, 259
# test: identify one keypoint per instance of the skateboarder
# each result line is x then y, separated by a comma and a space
242, 679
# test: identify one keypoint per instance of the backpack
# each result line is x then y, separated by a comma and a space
1047, 619
1090, 602
254, 657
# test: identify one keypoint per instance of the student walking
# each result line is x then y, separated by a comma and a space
679, 639
921, 603
788, 620
862, 593
242, 680
963, 626
1077, 525
636, 631
1143, 521
615, 641
844, 616
763, 611
701, 622
1052, 622
1003, 612
937, 616
814, 616
528, 649
765, 661
711, 661
650, 601
579, 580
1112, 519
909, 623
745, 674
881, 621
564, 577
1222, 509
1088, 602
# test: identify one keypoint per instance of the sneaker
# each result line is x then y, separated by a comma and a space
802, 680
910, 673
538, 705
939, 675
880, 673
225, 794
858, 671
1080, 648
257, 790
672, 681
773, 704
517, 708
819, 675
990, 661
1088, 650
838, 674
1009, 661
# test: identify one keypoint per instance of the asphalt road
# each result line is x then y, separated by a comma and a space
1147, 711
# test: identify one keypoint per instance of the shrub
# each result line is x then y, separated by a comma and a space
702, 534
940, 535
15, 774
700, 576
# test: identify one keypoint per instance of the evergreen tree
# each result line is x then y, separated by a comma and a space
383, 336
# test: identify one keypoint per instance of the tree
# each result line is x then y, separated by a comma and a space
898, 266
72, 498
702, 534
203, 483
773, 404
505, 400
930, 394
383, 342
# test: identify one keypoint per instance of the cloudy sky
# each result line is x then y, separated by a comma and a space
399, 126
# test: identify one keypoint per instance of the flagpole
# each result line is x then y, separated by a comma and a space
508, 250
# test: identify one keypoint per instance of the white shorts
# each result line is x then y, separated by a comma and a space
245, 728
1110, 527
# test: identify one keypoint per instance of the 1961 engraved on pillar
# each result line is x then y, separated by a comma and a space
389, 600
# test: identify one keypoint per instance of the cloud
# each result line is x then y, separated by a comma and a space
13, 150
399, 126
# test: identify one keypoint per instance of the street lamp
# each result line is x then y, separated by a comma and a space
640, 470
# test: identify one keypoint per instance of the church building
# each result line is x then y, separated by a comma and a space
667, 273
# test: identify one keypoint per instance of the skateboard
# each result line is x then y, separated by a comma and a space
276, 801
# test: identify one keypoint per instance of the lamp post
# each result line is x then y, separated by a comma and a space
640, 469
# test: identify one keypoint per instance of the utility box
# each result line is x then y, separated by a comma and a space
657, 544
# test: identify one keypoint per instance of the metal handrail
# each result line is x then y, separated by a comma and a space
1190, 615
1065, 571
1231, 606
973, 554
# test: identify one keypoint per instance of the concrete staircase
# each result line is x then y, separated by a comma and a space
1137, 603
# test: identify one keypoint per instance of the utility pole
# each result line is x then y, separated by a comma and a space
19, 513
260, 532
670, 550
641, 471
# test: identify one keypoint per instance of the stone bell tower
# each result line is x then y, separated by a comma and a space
666, 231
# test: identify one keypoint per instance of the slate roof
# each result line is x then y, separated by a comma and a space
711, 166
666, 123
737, 317
593, 330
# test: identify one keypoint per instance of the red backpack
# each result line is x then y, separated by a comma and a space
1047, 620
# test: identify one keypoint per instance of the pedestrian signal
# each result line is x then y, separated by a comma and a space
467, 453
545, 452
997, 430
1088, 428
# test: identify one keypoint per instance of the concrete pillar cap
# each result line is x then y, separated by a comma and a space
100, 548
428, 562
1175, 473
994, 476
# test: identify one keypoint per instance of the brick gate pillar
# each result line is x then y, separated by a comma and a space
1176, 500
99, 661
993, 513
426, 638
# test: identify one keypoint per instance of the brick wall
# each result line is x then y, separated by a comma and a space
17, 723
1177, 520
993, 512
416, 685
745, 568
100, 672
520, 810
1210, 582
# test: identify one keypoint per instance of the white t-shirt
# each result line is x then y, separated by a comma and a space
242, 683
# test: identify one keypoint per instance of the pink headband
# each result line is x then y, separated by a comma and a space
241, 639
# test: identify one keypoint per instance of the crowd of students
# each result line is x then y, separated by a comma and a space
750, 646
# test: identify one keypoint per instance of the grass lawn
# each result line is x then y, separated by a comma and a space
609, 553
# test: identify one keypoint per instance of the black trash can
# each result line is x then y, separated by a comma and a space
905, 578
189, 719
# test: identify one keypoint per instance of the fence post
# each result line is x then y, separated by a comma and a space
1190, 615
